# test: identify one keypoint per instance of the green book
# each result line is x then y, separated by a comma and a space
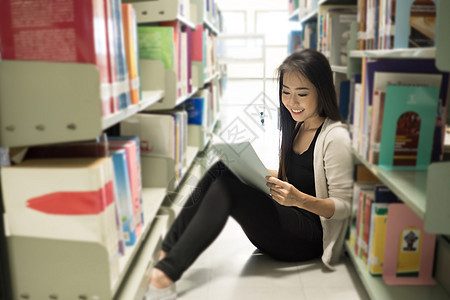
409, 120
157, 43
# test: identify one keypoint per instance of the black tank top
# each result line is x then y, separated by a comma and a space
300, 171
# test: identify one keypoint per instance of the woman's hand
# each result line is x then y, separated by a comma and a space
274, 173
283, 192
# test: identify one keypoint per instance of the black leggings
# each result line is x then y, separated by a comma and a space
285, 233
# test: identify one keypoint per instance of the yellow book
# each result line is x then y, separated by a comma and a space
410, 245
378, 237
130, 38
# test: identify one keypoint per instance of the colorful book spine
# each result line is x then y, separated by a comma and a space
121, 87
134, 177
377, 238
111, 55
129, 30
137, 142
61, 31
124, 199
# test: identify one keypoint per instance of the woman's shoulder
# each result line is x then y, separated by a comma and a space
332, 129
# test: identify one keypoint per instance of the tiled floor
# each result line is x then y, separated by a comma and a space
230, 268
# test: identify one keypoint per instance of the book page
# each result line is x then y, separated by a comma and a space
243, 161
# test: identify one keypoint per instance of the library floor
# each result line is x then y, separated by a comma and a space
230, 268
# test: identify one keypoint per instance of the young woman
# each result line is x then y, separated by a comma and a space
306, 215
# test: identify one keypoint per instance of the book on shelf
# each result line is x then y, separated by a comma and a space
187, 31
364, 181
65, 199
344, 98
136, 141
360, 242
338, 34
161, 134
422, 24
355, 111
388, 24
412, 111
157, 43
309, 35
121, 87
197, 109
58, 31
124, 200
378, 217
178, 52
380, 83
325, 14
133, 164
362, 107
293, 5
294, 40
130, 40
197, 44
111, 56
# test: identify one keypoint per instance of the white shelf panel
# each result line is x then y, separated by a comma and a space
158, 11
409, 186
151, 200
396, 53
377, 289
32, 91
208, 24
211, 78
149, 98
339, 69
309, 17
294, 16
186, 22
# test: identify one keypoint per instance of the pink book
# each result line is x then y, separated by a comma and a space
111, 54
197, 43
59, 31
134, 176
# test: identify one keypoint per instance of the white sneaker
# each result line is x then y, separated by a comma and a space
168, 293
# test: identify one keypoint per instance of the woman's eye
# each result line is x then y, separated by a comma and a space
303, 95
286, 93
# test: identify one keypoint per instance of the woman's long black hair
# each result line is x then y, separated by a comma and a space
314, 66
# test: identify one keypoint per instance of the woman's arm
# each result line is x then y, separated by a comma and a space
286, 194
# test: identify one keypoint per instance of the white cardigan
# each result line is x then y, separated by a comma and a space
333, 176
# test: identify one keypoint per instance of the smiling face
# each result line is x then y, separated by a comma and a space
300, 98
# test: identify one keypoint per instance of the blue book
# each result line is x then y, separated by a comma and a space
134, 138
124, 200
196, 109
121, 88
344, 99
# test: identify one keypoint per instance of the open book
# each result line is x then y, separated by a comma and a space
243, 161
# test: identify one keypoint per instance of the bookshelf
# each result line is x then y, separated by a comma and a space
71, 89
425, 192
50, 103
377, 289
